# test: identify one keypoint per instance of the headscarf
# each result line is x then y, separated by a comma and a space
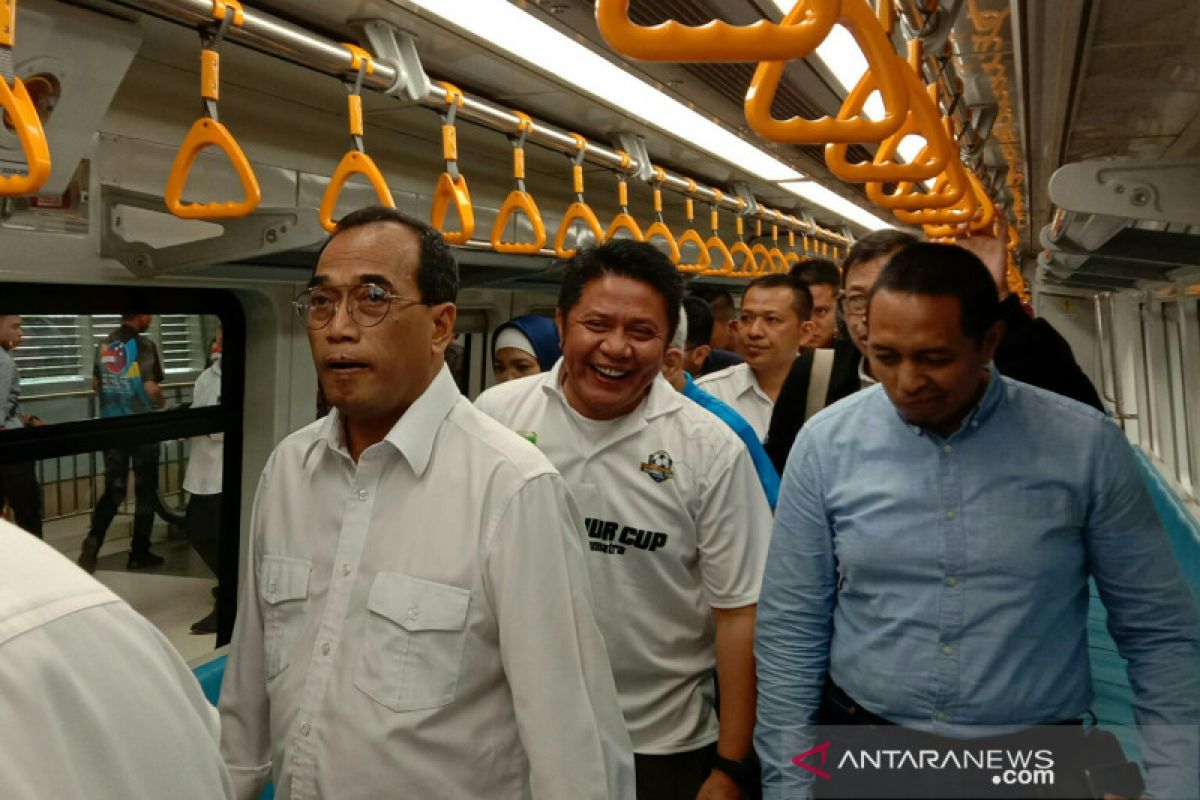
540, 333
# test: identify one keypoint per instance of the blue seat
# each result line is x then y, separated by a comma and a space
210, 674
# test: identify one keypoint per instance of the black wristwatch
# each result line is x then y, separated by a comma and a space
741, 772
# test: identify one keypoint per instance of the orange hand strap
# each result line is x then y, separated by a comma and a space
579, 211
923, 120
451, 188
659, 227
206, 132
795, 37
623, 221
353, 163
858, 17
518, 200
691, 236
17, 104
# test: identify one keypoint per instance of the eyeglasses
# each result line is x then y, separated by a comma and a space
367, 304
853, 303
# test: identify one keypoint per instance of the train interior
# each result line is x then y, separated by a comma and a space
1078, 120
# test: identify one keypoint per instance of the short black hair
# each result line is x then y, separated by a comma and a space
802, 301
720, 303
699, 321
812, 271
945, 270
630, 259
873, 245
437, 271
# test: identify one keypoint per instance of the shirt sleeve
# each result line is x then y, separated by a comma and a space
8, 380
554, 657
794, 624
733, 528
1152, 616
149, 361
244, 704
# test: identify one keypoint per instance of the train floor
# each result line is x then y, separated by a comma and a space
172, 596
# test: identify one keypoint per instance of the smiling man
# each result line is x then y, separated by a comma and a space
676, 520
400, 549
773, 324
929, 566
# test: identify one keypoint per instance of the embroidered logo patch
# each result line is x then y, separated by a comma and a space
529, 436
658, 466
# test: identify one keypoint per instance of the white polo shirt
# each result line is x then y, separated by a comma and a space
206, 455
419, 623
738, 387
676, 524
96, 703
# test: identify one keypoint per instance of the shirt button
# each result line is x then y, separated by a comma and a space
414, 612
950, 515
305, 729
952, 581
947, 449
941, 716
974, 423
271, 587
363, 494
325, 648
947, 649
345, 569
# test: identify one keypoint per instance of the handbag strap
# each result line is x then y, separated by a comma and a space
818, 382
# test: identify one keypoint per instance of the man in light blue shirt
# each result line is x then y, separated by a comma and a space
933, 543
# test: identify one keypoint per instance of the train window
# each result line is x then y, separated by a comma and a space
139, 484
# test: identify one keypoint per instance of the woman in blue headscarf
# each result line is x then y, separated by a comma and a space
524, 346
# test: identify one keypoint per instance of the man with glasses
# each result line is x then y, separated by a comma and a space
416, 615
813, 382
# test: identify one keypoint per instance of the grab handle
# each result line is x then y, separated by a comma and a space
17, 104
691, 236
519, 199
860, 20
207, 132
352, 163
623, 221
578, 211
800, 32
451, 188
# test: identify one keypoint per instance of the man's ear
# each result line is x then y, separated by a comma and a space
808, 329
992, 338
699, 355
444, 316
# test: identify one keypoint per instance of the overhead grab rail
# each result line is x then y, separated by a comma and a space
922, 120
691, 236
276, 37
804, 28
519, 199
579, 211
658, 228
21, 113
207, 131
355, 161
623, 222
861, 22
451, 188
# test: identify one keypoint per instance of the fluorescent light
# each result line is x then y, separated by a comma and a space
816, 193
529, 39
844, 59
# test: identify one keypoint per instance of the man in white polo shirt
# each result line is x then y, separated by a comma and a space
676, 521
415, 617
774, 321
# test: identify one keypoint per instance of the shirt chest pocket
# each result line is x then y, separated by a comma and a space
282, 590
413, 643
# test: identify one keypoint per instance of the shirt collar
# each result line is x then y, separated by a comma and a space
414, 433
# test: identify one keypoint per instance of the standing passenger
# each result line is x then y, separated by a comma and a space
821, 277
934, 541
723, 341
18, 482
96, 703
127, 377
203, 480
676, 522
524, 346
773, 323
415, 618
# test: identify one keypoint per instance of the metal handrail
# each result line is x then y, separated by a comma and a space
1108, 342
275, 37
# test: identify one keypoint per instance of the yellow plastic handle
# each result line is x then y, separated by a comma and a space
576, 212
206, 132
922, 120
353, 163
518, 201
453, 191
624, 222
961, 212
777, 259
703, 258
25, 121
791, 258
800, 32
860, 20
762, 258
8, 23
660, 230
1014, 239
725, 268
749, 266
947, 190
